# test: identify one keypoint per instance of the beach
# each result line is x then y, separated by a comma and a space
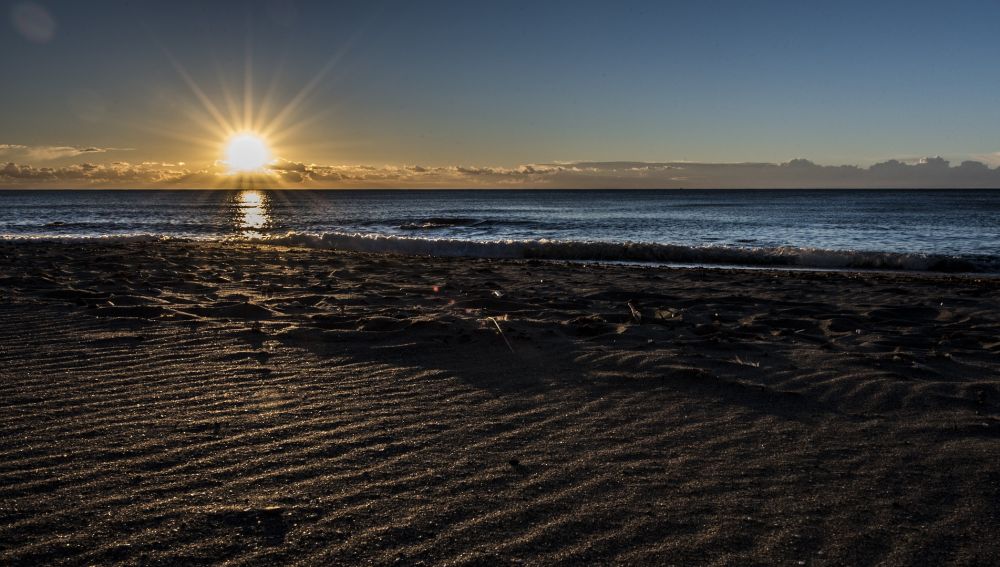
182, 402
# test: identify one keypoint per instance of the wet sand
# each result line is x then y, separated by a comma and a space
191, 403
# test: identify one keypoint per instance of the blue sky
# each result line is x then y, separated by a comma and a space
511, 83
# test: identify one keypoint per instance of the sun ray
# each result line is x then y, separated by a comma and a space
267, 101
297, 127
206, 102
233, 106
310, 86
248, 133
248, 121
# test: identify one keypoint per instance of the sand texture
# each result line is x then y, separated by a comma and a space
193, 403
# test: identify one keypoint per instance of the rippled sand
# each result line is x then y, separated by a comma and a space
192, 403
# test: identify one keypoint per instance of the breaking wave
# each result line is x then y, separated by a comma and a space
784, 256
543, 249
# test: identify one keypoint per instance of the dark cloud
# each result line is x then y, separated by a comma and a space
116, 174
799, 173
285, 165
15, 172
292, 177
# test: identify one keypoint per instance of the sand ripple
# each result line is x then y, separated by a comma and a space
192, 403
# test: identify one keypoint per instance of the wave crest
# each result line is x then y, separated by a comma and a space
784, 256
643, 252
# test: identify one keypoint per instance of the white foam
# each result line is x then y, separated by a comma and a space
647, 252
628, 252
79, 239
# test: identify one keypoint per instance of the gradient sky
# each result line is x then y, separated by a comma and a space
503, 84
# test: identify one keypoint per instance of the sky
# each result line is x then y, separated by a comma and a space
506, 94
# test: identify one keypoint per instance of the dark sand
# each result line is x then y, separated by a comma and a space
181, 403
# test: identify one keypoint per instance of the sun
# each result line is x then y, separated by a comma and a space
247, 153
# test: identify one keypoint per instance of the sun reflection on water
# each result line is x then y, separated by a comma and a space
253, 216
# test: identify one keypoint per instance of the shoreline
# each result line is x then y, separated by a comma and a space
203, 401
782, 258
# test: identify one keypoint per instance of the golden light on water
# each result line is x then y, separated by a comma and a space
253, 216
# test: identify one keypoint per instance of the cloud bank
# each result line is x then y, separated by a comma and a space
799, 173
49, 153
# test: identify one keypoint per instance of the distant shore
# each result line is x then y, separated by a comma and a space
185, 402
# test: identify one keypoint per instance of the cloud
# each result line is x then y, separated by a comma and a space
933, 172
50, 153
33, 22
992, 160
117, 174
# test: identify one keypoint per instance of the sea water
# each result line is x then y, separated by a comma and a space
949, 230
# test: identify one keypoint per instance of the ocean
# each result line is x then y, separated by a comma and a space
926, 230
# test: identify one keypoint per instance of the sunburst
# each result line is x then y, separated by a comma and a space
247, 152
245, 140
